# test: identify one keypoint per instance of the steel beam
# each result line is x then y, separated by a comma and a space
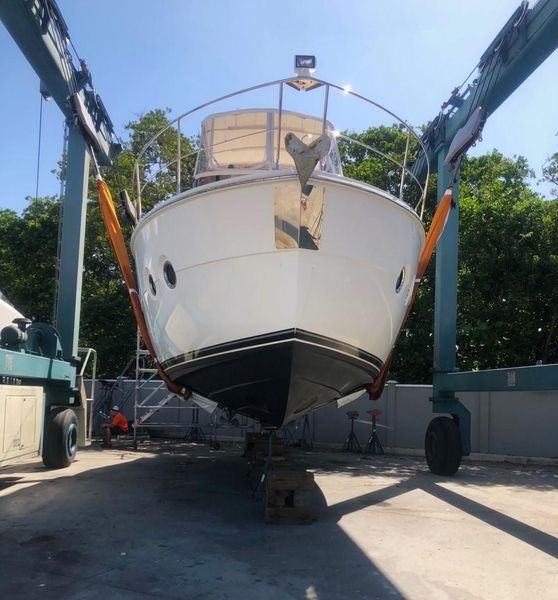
532, 378
445, 307
72, 244
35, 370
445, 311
520, 48
521, 53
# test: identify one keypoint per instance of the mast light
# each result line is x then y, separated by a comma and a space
305, 64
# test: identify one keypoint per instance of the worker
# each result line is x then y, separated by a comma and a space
117, 426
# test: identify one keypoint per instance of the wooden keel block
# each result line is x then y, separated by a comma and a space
290, 480
288, 516
288, 497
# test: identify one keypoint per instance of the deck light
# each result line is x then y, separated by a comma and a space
304, 64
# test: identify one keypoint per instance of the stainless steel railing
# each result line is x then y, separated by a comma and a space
413, 144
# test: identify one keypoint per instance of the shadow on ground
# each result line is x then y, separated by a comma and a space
178, 522
410, 475
476, 474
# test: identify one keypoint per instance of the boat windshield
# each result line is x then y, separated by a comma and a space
238, 142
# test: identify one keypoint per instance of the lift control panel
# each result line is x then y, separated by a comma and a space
21, 421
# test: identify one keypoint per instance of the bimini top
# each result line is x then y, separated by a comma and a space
237, 142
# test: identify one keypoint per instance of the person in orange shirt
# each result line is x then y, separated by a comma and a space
117, 426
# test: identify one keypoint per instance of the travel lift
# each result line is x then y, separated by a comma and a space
526, 40
42, 399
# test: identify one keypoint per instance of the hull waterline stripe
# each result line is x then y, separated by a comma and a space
288, 335
184, 360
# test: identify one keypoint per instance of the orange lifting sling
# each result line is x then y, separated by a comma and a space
436, 229
114, 232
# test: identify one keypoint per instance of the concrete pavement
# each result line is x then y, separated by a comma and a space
176, 520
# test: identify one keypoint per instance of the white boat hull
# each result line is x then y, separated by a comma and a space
274, 332
8, 313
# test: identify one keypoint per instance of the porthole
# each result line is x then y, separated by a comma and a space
400, 281
152, 286
170, 274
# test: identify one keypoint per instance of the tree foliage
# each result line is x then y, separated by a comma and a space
508, 299
550, 173
377, 156
28, 250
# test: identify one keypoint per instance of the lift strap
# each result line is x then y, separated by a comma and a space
437, 226
114, 233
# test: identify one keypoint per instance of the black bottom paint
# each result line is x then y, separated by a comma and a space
274, 384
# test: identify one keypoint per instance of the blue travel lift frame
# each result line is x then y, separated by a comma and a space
527, 39
39, 30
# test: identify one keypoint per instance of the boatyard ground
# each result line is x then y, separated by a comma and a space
176, 520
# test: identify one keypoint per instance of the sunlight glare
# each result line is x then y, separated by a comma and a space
310, 593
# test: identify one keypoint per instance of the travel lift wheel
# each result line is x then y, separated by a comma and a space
442, 445
60, 439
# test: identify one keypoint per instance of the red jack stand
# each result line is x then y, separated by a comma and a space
374, 445
351, 443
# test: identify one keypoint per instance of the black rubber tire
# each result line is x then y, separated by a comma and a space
442, 446
60, 441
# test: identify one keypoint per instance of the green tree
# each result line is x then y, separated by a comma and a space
28, 249
158, 171
508, 298
9, 232
376, 156
550, 172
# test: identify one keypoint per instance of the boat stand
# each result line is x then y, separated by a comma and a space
307, 437
195, 433
351, 443
268, 466
289, 434
374, 446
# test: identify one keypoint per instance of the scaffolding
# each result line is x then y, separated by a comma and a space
148, 403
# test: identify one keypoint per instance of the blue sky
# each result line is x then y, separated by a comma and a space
144, 54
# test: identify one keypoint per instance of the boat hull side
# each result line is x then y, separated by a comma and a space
234, 285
